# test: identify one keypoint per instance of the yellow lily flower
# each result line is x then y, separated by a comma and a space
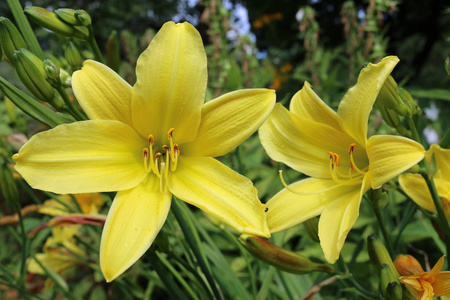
89, 204
334, 150
416, 188
420, 284
150, 141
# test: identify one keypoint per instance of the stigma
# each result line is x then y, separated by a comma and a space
160, 163
353, 175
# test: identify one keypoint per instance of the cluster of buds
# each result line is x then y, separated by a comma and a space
394, 102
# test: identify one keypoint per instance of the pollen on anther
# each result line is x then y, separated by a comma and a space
145, 153
167, 148
169, 133
151, 139
176, 150
332, 157
351, 148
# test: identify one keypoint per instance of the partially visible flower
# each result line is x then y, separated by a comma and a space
420, 284
60, 253
90, 203
416, 188
150, 141
334, 150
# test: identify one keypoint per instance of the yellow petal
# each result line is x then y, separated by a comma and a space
357, 103
441, 285
57, 262
436, 269
221, 192
442, 157
306, 104
229, 120
338, 219
303, 144
83, 157
389, 156
416, 188
102, 93
171, 84
133, 221
287, 209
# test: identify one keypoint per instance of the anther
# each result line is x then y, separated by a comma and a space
151, 140
156, 165
145, 158
351, 148
169, 133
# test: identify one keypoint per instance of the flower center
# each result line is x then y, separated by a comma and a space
353, 176
160, 163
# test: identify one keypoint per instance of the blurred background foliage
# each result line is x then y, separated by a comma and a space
250, 43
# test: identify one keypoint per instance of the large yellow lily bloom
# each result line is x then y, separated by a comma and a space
150, 141
416, 188
334, 150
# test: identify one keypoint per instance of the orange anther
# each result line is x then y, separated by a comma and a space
332, 156
167, 148
338, 159
145, 154
176, 150
169, 133
351, 148
151, 139
157, 155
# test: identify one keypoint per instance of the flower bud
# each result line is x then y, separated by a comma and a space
66, 79
52, 70
113, 51
379, 255
47, 19
10, 38
390, 286
72, 55
10, 109
32, 73
8, 186
83, 17
409, 102
280, 258
67, 15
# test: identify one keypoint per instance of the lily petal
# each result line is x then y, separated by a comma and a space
171, 84
306, 104
441, 285
102, 93
134, 219
416, 188
221, 192
83, 157
338, 219
229, 120
389, 156
357, 103
303, 144
442, 157
287, 209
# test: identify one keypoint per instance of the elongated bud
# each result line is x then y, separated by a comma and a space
409, 102
72, 55
66, 79
312, 228
113, 51
10, 109
32, 73
390, 286
379, 255
47, 19
280, 258
8, 186
10, 38
390, 98
52, 71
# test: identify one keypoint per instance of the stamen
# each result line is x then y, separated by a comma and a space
156, 164
145, 158
300, 193
169, 135
150, 146
176, 153
162, 181
351, 149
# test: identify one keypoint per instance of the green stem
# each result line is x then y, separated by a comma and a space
386, 236
356, 284
25, 250
94, 45
71, 108
25, 28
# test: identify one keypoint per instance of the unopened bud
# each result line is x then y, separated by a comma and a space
72, 55
8, 186
83, 17
409, 102
10, 38
47, 19
67, 15
312, 228
66, 79
390, 285
52, 71
31, 72
113, 51
379, 255
10, 109
281, 258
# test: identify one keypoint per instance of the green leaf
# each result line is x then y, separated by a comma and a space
436, 94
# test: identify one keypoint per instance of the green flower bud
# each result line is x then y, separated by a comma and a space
32, 73
113, 51
10, 38
390, 286
410, 104
312, 228
280, 258
10, 109
83, 17
379, 255
67, 15
52, 71
66, 79
73, 56
47, 19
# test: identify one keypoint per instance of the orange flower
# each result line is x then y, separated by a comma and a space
420, 284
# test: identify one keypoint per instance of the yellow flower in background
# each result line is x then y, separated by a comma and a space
60, 253
150, 141
89, 204
334, 150
416, 188
420, 284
